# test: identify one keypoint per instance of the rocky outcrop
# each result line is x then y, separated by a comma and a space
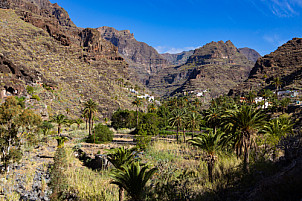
82, 63
216, 67
285, 63
251, 54
40, 7
178, 59
143, 59
14, 78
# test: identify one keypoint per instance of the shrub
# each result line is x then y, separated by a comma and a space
101, 134
36, 97
30, 90
123, 119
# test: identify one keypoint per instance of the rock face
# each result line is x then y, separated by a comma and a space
14, 78
143, 59
41, 37
215, 67
178, 59
251, 54
285, 63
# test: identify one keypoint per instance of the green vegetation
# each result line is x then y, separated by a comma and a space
101, 134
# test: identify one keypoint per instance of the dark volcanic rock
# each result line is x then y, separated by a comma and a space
285, 63
14, 78
41, 36
251, 54
143, 59
215, 67
178, 59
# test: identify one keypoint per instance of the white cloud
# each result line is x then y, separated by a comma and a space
283, 8
173, 50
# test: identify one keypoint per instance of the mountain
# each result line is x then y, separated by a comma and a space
178, 59
251, 54
143, 59
39, 44
216, 67
285, 63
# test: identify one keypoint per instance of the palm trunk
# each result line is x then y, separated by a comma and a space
177, 134
136, 118
121, 194
59, 130
246, 159
184, 135
210, 169
89, 122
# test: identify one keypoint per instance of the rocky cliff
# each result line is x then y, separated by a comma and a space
143, 59
216, 67
40, 37
285, 63
178, 59
250, 54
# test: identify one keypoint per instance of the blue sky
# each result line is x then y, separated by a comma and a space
177, 25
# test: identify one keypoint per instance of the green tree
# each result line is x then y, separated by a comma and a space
12, 118
79, 122
121, 157
241, 127
101, 134
213, 118
60, 119
277, 82
250, 97
123, 119
266, 94
208, 142
177, 119
193, 120
275, 129
90, 107
152, 108
137, 102
284, 104
133, 178
45, 127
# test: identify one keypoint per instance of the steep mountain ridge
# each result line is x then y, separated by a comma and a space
285, 63
215, 67
251, 54
79, 61
179, 58
143, 59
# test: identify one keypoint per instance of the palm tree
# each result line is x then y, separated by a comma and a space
241, 127
60, 119
284, 104
208, 142
152, 108
277, 82
212, 118
177, 119
250, 97
193, 120
120, 157
276, 129
79, 122
133, 179
266, 94
90, 107
137, 102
